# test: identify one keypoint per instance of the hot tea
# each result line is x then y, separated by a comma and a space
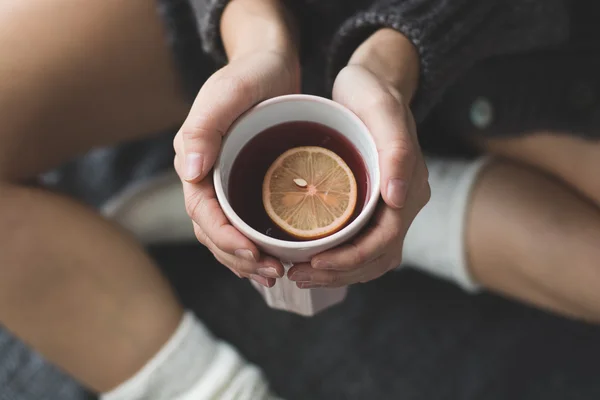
253, 161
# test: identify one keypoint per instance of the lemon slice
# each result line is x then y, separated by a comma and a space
309, 192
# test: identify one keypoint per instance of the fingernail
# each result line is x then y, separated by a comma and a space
300, 276
396, 192
193, 165
245, 254
268, 272
260, 280
322, 264
306, 285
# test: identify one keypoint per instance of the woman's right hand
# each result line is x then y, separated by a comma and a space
258, 69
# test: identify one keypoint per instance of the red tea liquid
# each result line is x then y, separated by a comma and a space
252, 163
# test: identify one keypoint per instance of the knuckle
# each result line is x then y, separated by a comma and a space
332, 279
382, 100
358, 256
176, 140
401, 151
219, 259
389, 235
242, 267
426, 195
193, 206
200, 126
176, 165
397, 95
200, 235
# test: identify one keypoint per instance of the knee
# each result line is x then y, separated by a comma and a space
572, 160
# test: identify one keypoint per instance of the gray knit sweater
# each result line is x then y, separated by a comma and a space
450, 35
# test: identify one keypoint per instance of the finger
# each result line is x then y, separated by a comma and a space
307, 277
223, 259
203, 208
270, 267
217, 253
235, 265
387, 227
225, 96
267, 268
387, 119
220, 101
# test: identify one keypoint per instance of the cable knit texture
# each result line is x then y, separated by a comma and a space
450, 35
208, 16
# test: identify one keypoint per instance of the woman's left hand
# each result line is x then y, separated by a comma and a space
379, 102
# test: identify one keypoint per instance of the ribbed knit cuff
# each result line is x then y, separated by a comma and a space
450, 36
183, 39
208, 21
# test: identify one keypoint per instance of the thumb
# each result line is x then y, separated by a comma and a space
225, 96
219, 103
389, 123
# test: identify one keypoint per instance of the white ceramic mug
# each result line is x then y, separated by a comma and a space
285, 294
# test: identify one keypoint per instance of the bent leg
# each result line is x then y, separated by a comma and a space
534, 239
572, 159
79, 291
75, 74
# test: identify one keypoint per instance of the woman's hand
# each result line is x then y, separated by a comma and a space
378, 85
263, 64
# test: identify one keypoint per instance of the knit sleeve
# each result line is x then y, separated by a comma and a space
208, 19
451, 35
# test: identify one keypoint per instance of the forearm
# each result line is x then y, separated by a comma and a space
248, 26
451, 36
530, 238
392, 58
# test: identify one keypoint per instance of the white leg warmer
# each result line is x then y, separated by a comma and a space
435, 242
193, 365
153, 211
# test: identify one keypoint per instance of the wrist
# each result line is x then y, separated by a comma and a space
250, 26
391, 57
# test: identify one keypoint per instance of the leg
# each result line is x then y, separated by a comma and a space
76, 74
534, 239
84, 295
573, 160
72, 286
511, 229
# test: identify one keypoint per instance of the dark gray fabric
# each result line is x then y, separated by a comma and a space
450, 35
550, 89
102, 173
24, 375
453, 35
405, 336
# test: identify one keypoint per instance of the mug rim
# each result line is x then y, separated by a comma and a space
255, 235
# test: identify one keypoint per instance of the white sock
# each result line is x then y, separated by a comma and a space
435, 242
153, 211
193, 365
